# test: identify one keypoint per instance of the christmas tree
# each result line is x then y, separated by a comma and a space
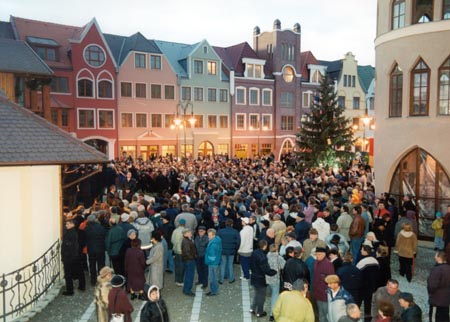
326, 135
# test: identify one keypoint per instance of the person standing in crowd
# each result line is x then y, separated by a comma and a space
213, 255
437, 226
245, 248
344, 223
438, 286
155, 259
155, 310
167, 231
301, 227
389, 293
71, 258
322, 268
135, 269
356, 232
276, 262
350, 277
406, 248
95, 242
292, 305
188, 255
279, 228
353, 313
259, 267
101, 292
231, 241
201, 241
177, 239
190, 221
385, 312
411, 311
382, 256
118, 302
114, 241
370, 269
338, 298
312, 242
295, 268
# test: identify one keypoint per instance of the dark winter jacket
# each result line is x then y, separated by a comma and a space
438, 285
412, 314
259, 266
230, 240
95, 238
302, 230
70, 250
294, 269
155, 312
350, 277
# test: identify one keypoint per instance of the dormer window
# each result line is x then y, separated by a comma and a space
254, 68
46, 48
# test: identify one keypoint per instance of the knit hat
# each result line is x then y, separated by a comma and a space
131, 231
124, 217
438, 214
408, 297
118, 281
182, 221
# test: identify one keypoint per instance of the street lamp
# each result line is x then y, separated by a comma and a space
366, 121
183, 107
177, 125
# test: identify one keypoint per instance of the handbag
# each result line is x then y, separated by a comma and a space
117, 317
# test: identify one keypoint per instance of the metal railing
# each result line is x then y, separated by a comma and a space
20, 290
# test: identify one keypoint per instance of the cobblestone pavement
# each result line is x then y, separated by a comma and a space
230, 305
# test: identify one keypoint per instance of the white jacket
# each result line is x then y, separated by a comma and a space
246, 247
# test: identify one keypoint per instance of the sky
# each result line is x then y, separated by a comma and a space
330, 28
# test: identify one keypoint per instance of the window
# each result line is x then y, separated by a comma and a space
287, 99
444, 88
345, 81
169, 120
287, 123
253, 122
254, 71
155, 90
212, 95
266, 121
198, 94
212, 68
307, 96
240, 121
371, 103
398, 14
212, 121
356, 103
223, 95
157, 120
106, 119
141, 90
141, 120
395, 92
446, 10
139, 60
155, 62
59, 85
267, 97
353, 81
86, 119
240, 96
185, 93
105, 89
85, 88
169, 92
198, 66
317, 77
125, 89
287, 52
47, 53
419, 89
198, 121
223, 119
126, 120
341, 101
54, 117
422, 11
288, 74
94, 56
205, 50
254, 96
64, 118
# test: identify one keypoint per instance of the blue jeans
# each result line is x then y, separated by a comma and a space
275, 289
179, 268
245, 265
355, 247
189, 273
213, 271
226, 268
168, 261
202, 271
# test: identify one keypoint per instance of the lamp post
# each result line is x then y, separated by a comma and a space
366, 121
183, 107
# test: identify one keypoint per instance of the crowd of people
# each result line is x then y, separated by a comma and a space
321, 241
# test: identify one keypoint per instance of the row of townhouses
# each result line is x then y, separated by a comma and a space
140, 97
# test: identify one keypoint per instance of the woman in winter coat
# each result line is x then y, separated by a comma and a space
155, 310
383, 259
118, 302
101, 293
135, 269
156, 261
406, 247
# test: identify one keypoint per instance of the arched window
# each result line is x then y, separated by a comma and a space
422, 11
398, 14
444, 88
395, 92
104, 89
85, 88
419, 174
420, 89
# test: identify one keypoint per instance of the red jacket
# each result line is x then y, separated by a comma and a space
121, 304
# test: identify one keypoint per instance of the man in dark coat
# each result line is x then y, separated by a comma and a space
302, 228
350, 277
295, 268
230, 244
71, 258
95, 242
438, 285
259, 267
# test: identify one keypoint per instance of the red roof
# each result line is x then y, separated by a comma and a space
307, 58
232, 56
